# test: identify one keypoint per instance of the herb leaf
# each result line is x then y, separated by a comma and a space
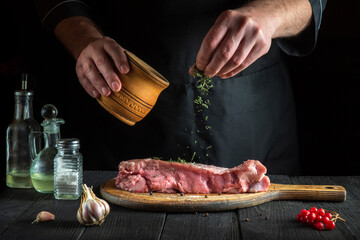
204, 83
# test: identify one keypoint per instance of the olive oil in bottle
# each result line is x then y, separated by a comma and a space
43, 183
42, 168
19, 179
18, 157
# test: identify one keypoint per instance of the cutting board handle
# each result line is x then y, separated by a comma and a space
310, 192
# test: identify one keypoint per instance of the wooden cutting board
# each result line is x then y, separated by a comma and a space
176, 202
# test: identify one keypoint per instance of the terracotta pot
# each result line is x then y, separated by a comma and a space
141, 87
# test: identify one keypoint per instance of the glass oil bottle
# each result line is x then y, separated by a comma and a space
18, 158
42, 167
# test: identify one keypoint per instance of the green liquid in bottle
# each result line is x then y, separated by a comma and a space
43, 183
19, 179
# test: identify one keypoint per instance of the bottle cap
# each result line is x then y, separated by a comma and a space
68, 143
24, 93
50, 123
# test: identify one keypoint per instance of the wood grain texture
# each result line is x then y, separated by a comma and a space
122, 223
271, 220
14, 202
212, 225
349, 210
275, 220
176, 202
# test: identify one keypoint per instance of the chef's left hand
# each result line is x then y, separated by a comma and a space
234, 42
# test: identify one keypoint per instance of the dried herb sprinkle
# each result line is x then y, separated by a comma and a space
204, 83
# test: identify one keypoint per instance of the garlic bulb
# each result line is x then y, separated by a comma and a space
93, 210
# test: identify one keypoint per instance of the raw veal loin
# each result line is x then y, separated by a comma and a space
150, 175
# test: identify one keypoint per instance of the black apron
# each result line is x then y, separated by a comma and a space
251, 114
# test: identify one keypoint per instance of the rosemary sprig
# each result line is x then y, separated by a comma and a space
199, 100
181, 160
193, 156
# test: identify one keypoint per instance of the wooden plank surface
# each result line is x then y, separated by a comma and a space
122, 223
272, 220
214, 225
176, 202
349, 210
13, 203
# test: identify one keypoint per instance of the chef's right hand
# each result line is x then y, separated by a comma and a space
97, 65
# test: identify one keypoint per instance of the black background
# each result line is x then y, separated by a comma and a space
326, 86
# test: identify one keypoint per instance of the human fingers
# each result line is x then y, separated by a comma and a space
256, 52
191, 70
210, 42
243, 50
223, 53
89, 88
117, 54
250, 33
85, 68
104, 66
99, 63
103, 52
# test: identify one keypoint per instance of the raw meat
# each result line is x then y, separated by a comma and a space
150, 175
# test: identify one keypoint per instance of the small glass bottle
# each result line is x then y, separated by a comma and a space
68, 169
42, 167
18, 158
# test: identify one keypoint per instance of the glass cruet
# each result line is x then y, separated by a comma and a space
18, 158
42, 167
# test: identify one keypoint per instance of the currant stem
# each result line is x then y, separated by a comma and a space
336, 216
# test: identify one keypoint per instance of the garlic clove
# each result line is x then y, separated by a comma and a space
92, 210
106, 206
44, 216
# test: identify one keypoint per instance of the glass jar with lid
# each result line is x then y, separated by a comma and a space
68, 169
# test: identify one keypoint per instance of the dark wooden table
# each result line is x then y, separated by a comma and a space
273, 220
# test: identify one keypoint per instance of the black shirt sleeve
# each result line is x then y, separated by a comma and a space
305, 42
52, 12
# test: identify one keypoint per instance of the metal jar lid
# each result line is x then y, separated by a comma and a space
68, 143
23, 93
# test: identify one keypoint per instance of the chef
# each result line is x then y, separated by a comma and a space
240, 44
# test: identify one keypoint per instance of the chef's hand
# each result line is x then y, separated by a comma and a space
239, 37
234, 42
97, 65
98, 58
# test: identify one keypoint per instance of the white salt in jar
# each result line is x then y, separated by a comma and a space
68, 169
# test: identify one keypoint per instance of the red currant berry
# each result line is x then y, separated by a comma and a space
305, 212
312, 216
319, 226
325, 220
303, 219
318, 218
330, 225
298, 217
321, 212
328, 215
310, 221
313, 209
